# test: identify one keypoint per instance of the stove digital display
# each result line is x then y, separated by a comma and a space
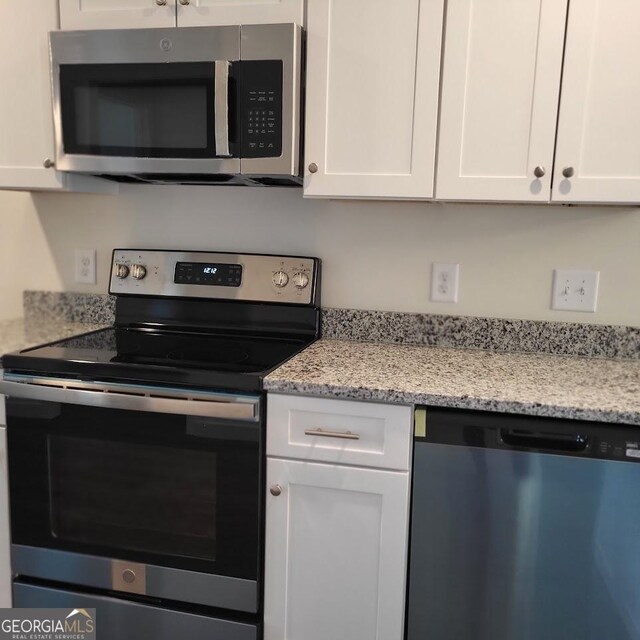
217, 274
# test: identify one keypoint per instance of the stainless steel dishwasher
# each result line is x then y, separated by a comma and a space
524, 529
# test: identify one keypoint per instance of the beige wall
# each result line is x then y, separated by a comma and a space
376, 255
25, 254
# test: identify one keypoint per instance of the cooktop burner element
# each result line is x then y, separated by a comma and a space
198, 319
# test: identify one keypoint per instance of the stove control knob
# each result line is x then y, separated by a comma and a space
138, 271
300, 280
280, 279
121, 271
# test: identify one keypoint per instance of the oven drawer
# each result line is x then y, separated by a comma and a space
127, 620
339, 431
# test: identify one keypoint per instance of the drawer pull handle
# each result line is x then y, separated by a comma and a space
345, 435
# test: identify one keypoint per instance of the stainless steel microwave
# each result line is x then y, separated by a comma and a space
187, 105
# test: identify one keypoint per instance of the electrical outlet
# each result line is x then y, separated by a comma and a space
86, 266
575, 290
444, 282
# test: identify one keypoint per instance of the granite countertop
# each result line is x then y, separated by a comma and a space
534, 384
20, 334
447, 373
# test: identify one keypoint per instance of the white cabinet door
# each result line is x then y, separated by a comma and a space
26, 122
5, 559
599, 125
117, 14
500, 89
336, 552
372, 96
201, 13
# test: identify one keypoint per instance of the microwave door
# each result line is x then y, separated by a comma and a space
140, 111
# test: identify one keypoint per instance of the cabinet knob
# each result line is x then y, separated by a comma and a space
276, 490
184, 3
161, 3
568, 172
313, 168
539, 172
48, 163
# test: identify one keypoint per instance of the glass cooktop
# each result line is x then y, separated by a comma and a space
231, 361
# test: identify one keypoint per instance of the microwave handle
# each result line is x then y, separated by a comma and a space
221, 106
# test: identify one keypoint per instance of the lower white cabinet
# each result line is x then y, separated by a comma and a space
5, 560
336, 547
337, 514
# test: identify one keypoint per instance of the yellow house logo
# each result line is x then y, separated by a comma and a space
79, 621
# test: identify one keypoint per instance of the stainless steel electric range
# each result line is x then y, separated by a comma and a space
136, 453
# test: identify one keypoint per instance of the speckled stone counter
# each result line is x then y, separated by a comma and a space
411, 360
20, 334
69, 306
533, 384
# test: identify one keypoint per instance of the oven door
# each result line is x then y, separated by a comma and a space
147, 100
138, 490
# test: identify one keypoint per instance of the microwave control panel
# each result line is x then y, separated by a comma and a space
261, 105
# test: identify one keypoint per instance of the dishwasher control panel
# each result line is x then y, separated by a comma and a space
530, 434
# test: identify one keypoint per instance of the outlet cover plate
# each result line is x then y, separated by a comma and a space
86, 266
575, 290
444, 282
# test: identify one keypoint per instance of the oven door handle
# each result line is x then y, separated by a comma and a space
136, 398
221, 108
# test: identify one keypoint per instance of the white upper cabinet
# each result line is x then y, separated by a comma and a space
201, 13
26, 122
141, 14
117, 14
599, 125
500, 90
372, 97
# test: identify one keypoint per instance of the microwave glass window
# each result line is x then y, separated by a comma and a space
139, 110
141, 117
133, 496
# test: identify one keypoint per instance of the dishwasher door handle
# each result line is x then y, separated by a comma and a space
573, 442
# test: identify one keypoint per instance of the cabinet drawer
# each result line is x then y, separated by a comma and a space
339, 431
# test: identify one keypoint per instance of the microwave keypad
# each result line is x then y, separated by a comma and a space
262, 109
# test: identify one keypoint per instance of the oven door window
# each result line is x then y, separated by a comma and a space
140, 110
161, 489
133, 496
